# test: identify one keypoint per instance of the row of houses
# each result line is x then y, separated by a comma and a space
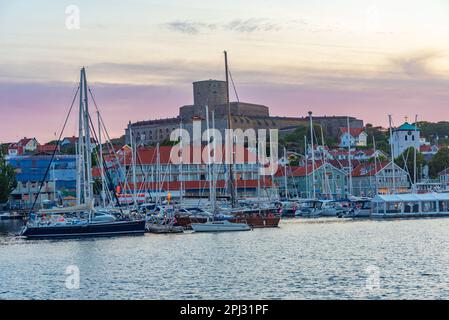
26, 146
332, 180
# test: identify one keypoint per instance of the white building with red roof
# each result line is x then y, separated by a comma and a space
25, 145
356, 137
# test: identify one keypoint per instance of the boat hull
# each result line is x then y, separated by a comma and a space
117, 228
208, 227
186, 221
11, 217
257, 221
156, 228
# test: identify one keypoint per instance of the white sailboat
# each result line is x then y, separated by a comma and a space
220, 225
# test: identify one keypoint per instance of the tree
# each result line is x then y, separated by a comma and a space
8, 180
439, 162
406, 161
294, 141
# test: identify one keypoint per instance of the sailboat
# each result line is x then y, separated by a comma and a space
219, 225
82, 220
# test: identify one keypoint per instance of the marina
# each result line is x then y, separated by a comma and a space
237, 151
324, 258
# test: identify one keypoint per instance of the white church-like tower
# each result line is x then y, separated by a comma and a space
405, 136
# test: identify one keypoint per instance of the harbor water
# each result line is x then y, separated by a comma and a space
302, 259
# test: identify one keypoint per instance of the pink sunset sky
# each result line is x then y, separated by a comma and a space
341, 57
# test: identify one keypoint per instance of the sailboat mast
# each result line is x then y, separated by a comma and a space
285, 174
80, 146
208, 155
181, 172
313, 154
414, 156
375, 163
214, 186
88, 149
349, 157
306, 165
133, 163
231, 136
392, 154
103, 193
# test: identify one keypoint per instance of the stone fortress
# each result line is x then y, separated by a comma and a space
244, 115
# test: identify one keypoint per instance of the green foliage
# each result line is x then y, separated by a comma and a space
118, 141
8, 180
294, 141
439, 162
4, 149
406, 161
431, 131
380, 136
168, 142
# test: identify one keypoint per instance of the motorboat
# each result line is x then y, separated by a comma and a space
332, 208
220, 226
310, 208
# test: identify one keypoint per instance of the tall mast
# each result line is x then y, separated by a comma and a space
158, 174
285, 174
313, 155
392, 154
375, 163
181, 178
103, 193
214, 184
415, 152
80, 147
133, 163
208, 155
306, 165
231, 136
349, 157
88, 150
325, 179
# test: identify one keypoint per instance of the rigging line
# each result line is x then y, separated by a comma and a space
125, 182
233, 85
104, 164
54, 151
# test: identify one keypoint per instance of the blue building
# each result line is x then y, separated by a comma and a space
30, 171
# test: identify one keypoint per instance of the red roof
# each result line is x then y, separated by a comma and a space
298, 171
344, 163
353, 131
147, 155
47, 148
368, 169
23, 142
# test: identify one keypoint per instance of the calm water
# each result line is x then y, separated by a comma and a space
318, 259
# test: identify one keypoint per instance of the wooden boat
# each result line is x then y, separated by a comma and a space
257, 218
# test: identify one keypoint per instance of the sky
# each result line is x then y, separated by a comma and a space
366, 59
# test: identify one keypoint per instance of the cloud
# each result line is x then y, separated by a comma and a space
237, 25
252, 25
416, 63
189, 27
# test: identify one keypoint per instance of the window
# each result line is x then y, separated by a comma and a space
405, 138
413, 138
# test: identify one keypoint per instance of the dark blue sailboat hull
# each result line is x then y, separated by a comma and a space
106, 229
